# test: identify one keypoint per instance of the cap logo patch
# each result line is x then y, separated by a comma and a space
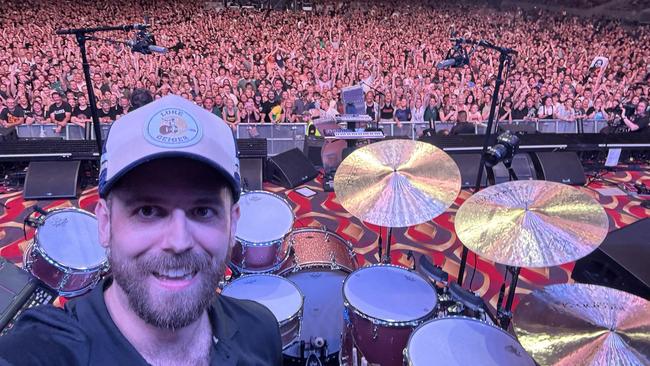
172, 128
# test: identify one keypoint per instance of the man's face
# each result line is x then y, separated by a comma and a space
169, 237
56, 98
11, 103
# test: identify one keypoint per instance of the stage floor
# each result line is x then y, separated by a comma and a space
435, 239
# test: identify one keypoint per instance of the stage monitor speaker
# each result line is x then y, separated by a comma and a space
620, 262
51, 179
521, 164
290, 169
563, 167
468, 166
313, 149
251, 170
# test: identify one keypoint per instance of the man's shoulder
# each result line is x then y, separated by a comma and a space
45, 335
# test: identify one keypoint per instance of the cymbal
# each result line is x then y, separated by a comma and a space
397, 183
578, 324
531, 223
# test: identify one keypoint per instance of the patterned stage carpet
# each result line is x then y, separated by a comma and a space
436, 239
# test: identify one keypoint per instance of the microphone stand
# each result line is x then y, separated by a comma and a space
81, 36
504, 56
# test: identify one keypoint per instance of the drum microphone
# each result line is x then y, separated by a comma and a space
143, 47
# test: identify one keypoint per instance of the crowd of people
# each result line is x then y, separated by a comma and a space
247, 65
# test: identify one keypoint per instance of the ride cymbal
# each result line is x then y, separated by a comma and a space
397, 183
578, 324
531, 223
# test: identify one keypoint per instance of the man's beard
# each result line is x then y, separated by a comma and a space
174, 309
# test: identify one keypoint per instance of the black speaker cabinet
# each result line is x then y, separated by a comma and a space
251, 170
562, 167
313, 148
468, 165
290, 169
620, 262
51, 179
521, 164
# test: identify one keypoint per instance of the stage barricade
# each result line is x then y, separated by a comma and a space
286, 136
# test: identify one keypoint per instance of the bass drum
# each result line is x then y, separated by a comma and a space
320, 263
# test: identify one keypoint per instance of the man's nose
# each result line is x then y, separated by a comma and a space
178, 236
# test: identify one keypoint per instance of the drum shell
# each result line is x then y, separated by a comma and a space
379, 344
382, 341
66, 281
316, 248
260, 241
290, 330
256, 258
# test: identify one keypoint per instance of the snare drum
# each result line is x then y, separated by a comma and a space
460, 340
66, 254
266, 219
321, 260
279, 295
384, 304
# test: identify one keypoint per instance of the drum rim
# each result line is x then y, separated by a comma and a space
390, 323
320, 264
297, 314
406, 352
275, 240
37, 246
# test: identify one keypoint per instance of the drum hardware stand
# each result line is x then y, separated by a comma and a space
504, 315
409, 256
505, 56
387, 259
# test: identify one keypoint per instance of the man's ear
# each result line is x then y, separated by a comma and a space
234, 219
103, 214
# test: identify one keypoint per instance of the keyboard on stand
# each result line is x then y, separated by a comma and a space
360, 135
19, 291
358, 118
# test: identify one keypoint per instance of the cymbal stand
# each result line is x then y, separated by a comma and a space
505, 314
388, 239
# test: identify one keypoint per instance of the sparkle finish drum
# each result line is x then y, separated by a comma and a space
266, 219
66, 254
384, 304
281, 296
320, 263
460, 341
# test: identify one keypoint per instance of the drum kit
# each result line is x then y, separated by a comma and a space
331, 311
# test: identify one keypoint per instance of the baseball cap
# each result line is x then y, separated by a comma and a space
169, 127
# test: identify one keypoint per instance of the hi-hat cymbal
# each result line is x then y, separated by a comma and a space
397, 183
578, 324
531, 223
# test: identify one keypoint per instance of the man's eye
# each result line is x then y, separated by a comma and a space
204, 212
148, 211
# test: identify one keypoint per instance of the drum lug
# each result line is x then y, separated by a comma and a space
64, 281
374, 332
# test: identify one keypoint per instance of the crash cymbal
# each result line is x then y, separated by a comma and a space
578, 324
397, 183
531, 223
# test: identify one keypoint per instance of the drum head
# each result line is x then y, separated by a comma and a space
322, 314
464, 341
264, 217
279, 295
70, 237
390, 293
